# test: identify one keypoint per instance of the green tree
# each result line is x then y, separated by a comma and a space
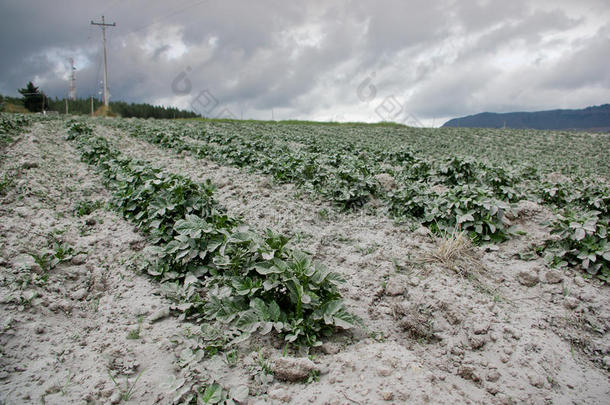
33, 98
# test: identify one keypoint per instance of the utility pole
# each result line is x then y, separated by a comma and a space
72, 81
92, 106
104, 25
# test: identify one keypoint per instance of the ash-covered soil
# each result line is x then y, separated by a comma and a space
482, 326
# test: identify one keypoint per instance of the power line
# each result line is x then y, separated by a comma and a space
155, 21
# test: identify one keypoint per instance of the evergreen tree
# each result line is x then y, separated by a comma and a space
33, 98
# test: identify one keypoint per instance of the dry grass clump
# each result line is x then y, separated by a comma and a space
15, 108
104, 111
455, 251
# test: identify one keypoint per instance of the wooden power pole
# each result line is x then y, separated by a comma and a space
104, 25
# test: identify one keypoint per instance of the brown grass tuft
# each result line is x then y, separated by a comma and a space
456, 252
15, 108
104, 112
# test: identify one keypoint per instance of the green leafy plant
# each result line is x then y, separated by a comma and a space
447, 178
583, 241
229, 274
11, 125
7, 181
85, 207
58, 253
126, 390
76, 128
64, 388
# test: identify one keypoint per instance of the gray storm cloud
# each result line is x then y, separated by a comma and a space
437, 59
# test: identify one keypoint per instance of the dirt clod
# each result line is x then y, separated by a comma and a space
415, 320
159, 315
330, 348
477, 341
292, 368
527, 278
493, 376
570, 302
536, 380
553, 277
387, 395
395, 287
80, 294
469, 373
280, 394
79, 259
386, 181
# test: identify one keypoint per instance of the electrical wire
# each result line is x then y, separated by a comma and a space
124, 34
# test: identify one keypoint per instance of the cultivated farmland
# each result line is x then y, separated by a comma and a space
236, 262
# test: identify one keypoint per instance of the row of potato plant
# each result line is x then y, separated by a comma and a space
442, 192
471, 193
229, 275
11, 125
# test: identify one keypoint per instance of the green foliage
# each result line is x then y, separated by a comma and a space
33, 99
126, 391
477, 211
57, 253
445, 179
230, 276
583, 241
85, 207
582, 226
457, 193
11, 125
6, 182
76, 128
82, 106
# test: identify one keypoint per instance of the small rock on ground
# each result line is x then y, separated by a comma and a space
387, 395
394, 288
292, 368
159, 314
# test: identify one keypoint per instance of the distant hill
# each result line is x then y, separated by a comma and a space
591, 118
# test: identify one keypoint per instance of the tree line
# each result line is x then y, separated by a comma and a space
33, 100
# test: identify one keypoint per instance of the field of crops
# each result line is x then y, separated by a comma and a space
305, 262
469, 180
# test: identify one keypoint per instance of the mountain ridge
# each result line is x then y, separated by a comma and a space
593, 118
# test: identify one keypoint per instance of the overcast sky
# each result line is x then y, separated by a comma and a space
418, 62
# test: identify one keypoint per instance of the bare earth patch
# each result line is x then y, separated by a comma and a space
516, 333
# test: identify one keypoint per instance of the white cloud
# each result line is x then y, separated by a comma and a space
437, 58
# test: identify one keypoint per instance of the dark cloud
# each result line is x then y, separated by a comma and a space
438, 58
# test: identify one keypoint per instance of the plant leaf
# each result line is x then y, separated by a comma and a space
212, 394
